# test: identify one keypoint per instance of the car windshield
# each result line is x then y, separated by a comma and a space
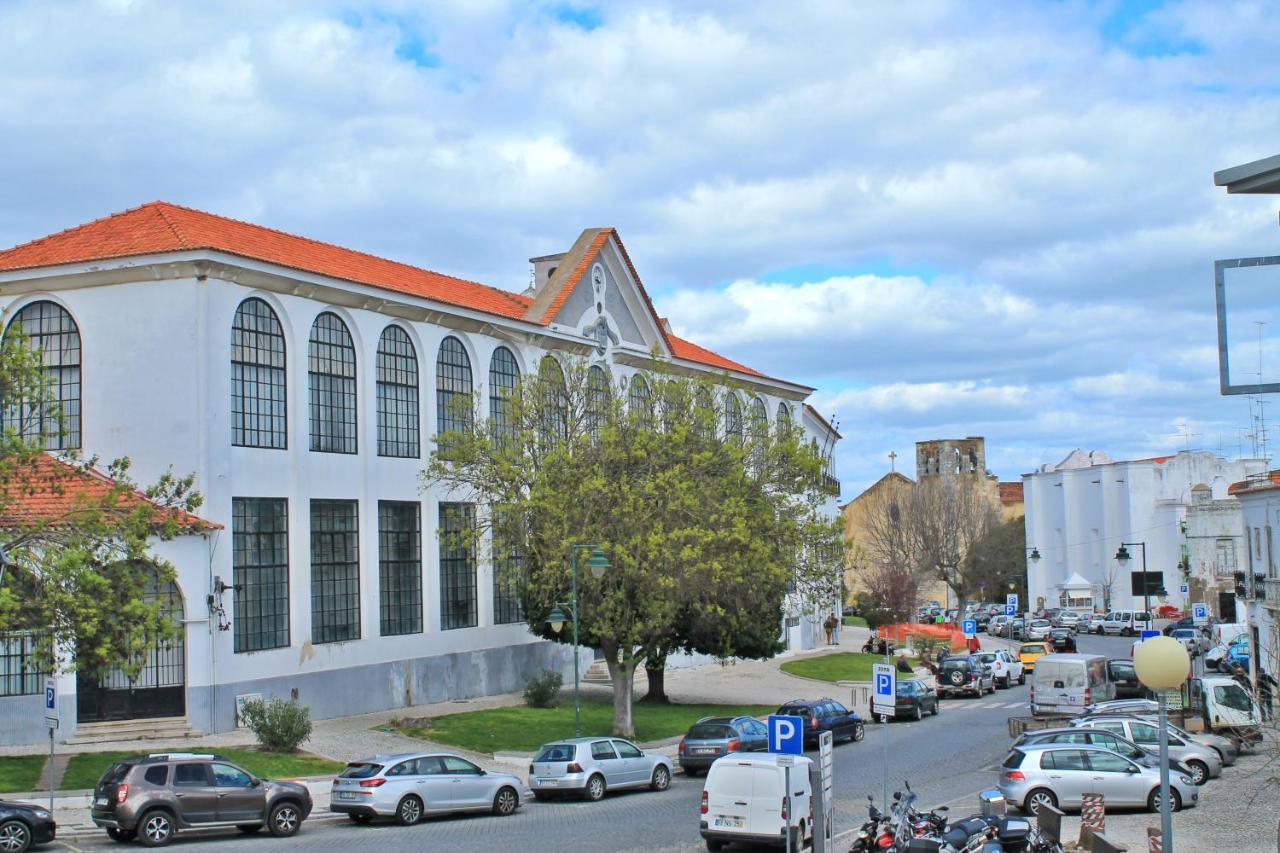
556, 752
1032, 649
360, 770
709, 731
987, 657
794, 711
1039, 623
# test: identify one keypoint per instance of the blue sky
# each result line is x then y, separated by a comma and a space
951, 218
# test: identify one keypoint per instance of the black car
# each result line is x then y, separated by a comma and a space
1063, 640
825, 715
22, 825
1190, 622
914, 699
1125, 678
712, 737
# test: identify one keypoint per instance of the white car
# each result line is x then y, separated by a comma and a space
1194, 641
1006, 667
410, 786
1038, 629
1069, 619
1126, 623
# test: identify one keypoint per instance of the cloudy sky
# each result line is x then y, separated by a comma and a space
953, 219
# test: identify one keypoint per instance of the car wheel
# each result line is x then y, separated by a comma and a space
936, 706
1022, 677
360, 818
661, 778
1199, 771
15, 837
156, 828
1153, 801
122, 835
859, 732
506, 801
249, 828
1039, 797
919, 712
1125, 632
595, 788
285, 819
409, 811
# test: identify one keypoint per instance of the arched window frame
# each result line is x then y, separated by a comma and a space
553, 408
453, 387
52, 331
399, 428
640, 401
705, 412
504, 381
331, 379
783, 419
598, 396
732, 419
259, 377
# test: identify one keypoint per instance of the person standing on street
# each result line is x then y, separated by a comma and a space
829, 626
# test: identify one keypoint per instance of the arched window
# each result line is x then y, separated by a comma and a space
504, 378
640, 402
597, 399
673, 403
453, 387
759, 420
553, 408
331, 373
259, 407
705, 413
732, 419
50, 331
784, 419
397, 395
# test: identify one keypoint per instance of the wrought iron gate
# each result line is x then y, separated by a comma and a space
159, 690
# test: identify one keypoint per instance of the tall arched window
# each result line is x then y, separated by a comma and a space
732, 418
50, 331
757, 429
640, 402
259, 402
705, 413
397, 395
597, 399
504, 378
453, 387
331, 373
784, 419
553, 408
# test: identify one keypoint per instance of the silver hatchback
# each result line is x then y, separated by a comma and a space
589, 766
1204, 762
1035, 776
410, 786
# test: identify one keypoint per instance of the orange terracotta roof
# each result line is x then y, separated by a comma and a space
1010, 493
1258, 482
159, 227
47, 490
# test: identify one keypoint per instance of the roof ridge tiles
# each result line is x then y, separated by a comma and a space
159, 207
35, 241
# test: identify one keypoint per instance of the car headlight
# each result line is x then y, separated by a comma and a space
40, 813
1186, 780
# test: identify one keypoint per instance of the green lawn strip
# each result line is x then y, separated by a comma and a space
855, 622
84, 770
22, 773
523, 729
841, 666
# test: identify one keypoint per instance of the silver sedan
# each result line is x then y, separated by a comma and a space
410, 786
589, 766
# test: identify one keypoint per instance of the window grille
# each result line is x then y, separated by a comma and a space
732, 419
397, 395
399, 567
259, 411
335, 571
504, 379
457, 566
598, 394
51, 332
260, 573
19, 674
508, 570
453, 387
331, 372
640, 401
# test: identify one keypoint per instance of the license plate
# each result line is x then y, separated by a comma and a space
548, 783
700, 751
346, 795
101, 801
729, 822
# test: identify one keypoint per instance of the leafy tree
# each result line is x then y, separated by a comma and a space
998, 559
705, 536
78, 572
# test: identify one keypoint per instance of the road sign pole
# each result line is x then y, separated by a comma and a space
786, 798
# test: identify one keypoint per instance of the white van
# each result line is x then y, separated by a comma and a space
1064, 684
742, 800
1126, 623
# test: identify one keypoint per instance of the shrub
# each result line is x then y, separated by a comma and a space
280, 726
543, 689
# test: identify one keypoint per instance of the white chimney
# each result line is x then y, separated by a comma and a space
543, 268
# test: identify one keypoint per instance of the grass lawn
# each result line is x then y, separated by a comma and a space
522, 729
855, 621
841, 666
83, 770
21, 773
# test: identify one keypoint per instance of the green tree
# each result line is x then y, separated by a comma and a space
998, 559
77, 572
705, 536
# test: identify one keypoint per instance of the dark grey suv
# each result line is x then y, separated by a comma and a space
153, 797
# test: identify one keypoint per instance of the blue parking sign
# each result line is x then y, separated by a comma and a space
50, 695
786, 734
969, 627
1011, 610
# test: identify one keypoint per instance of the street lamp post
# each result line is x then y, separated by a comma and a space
1122, 557
597, 563
1162, 664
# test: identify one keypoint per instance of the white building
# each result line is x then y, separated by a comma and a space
301, 382
1080, 511
1260, 507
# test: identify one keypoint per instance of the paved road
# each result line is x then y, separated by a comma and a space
947, 759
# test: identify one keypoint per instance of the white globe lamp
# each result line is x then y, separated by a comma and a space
1162, 664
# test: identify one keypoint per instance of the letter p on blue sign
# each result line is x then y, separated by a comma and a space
786, 734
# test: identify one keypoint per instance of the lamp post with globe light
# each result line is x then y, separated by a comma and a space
597, 563
1162, 664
